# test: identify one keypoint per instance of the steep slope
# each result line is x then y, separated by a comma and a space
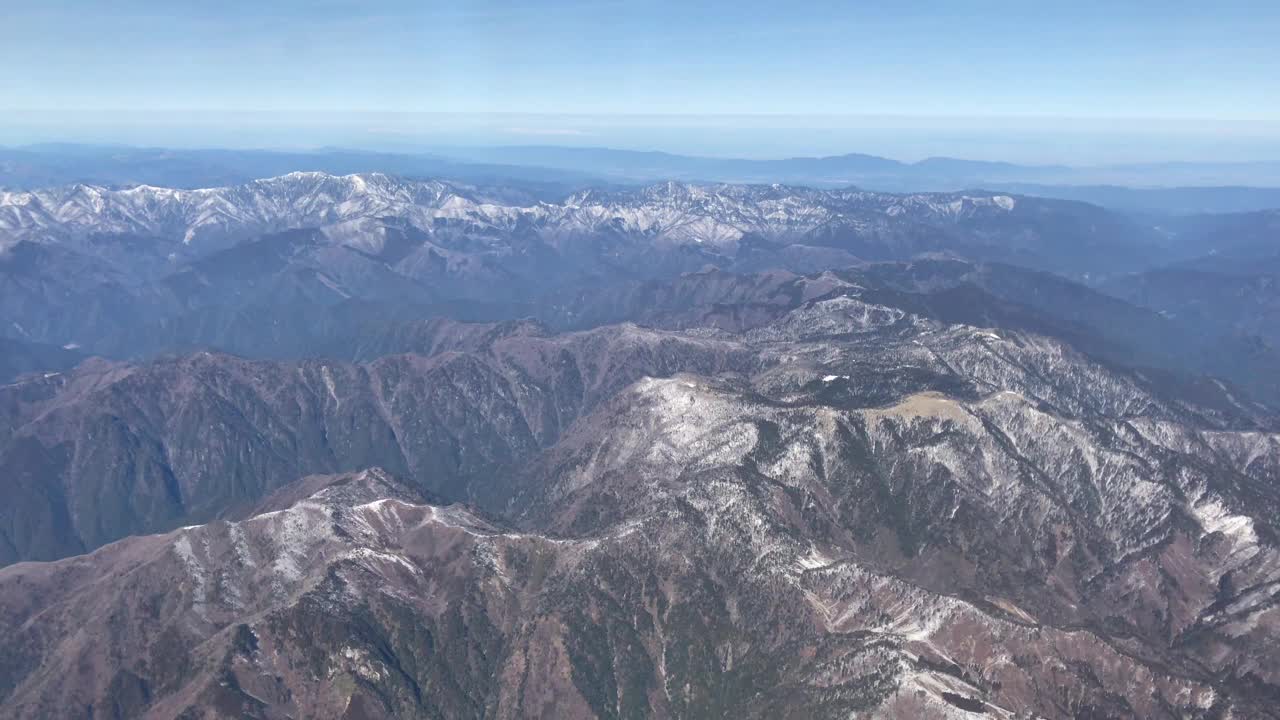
1245, 302
112, 449
1011, 513
342, 607
841, 504
825, 537
1225, 281
1103, 325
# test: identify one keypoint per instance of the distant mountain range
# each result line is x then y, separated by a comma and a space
81, 263
131, 272
870, 171
1178, 188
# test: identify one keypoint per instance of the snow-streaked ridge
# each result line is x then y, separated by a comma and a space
673, 212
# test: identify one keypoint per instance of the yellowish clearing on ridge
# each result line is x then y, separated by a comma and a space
925, 404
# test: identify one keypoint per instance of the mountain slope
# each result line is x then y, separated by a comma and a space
879, 514
139, 448
924, 489
1215, 302
112, 449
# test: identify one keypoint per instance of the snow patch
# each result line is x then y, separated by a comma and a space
1214, 517
199, 576
815, 560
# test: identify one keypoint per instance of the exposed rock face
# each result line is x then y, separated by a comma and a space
841, 506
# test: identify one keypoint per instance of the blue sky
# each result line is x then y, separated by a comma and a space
1200, 76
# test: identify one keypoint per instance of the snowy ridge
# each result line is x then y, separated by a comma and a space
715, 215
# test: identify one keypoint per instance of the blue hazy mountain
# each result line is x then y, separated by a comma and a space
1174, 188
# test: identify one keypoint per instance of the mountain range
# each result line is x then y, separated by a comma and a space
134, 272
80, 260
550, 171
820, 513
369, 446
941, 173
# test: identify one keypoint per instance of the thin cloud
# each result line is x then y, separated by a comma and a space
561, 132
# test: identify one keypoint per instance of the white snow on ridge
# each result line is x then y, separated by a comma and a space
1214, 517
814, 560
199, 575
715, 215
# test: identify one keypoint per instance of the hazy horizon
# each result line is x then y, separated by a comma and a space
1084, 84
1022, 140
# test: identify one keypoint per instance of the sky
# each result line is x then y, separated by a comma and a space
1050, 81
